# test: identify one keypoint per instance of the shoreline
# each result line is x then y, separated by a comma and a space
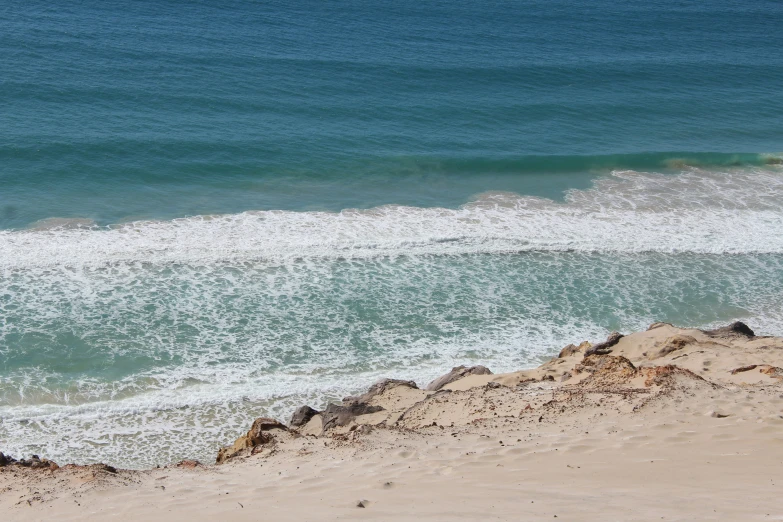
704, 405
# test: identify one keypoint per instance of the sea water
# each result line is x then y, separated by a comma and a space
211, 212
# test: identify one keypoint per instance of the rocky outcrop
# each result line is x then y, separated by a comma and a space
343, 414
672, 344
735, 329
605, 347
259, 431
258, 435
672, 377
621, 374
605, 370
456, 374
302, 416
658, 325
571, 349
608, 372
773, 371
380, 387
34, 462
741, 369
188, 464
6, 460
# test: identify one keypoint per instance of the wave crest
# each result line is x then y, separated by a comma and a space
698, 211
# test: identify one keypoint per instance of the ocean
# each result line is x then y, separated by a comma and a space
215, 211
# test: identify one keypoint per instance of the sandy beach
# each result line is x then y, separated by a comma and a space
664, 424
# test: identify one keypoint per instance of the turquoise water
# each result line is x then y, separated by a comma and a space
211, 213
117, 111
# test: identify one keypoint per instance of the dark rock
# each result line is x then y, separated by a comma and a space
6, 460
34, 462
455, 374
352, 407
302, 416
342, 415
744, 369
605, 347
737, 328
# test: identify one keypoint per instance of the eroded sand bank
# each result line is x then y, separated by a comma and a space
670, 423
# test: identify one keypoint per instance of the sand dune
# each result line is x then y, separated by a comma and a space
666, 424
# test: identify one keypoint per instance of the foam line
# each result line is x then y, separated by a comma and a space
699, 212
112, 339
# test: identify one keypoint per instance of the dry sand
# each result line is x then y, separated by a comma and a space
622, 434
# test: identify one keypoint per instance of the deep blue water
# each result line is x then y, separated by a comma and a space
211, 211
115, 111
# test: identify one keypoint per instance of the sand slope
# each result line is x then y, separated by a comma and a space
653, 427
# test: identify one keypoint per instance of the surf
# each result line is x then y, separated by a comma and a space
697, 211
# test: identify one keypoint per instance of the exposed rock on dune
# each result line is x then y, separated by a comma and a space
261, 433
672, 344
188, 464
639, 417
34, 462
342, 415
302, 416
737, 328
379, 388
625, 371
639, 368
4, 461
455, 374
772, 371
604, 347
571, 349
640, 363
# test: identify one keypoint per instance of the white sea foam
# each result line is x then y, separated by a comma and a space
224, 401
115, 339
698, 211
